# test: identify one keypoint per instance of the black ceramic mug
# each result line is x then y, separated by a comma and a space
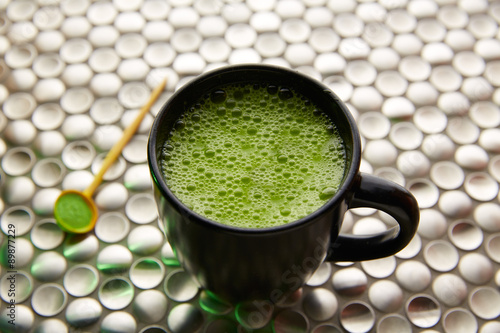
238, 264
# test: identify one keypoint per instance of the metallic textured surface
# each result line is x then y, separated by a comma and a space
420, 77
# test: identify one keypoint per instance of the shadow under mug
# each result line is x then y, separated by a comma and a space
242, 264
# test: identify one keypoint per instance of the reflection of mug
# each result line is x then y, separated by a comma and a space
239, 264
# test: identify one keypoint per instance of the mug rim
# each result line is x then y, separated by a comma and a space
349, 176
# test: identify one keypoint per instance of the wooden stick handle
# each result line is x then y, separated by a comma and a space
116, 150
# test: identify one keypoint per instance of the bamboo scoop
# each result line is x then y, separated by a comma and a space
75, 211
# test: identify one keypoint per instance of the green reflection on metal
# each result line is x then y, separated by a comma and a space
169, 255
116, 290
209, 302
78, 247
148, 265
4, 257
112, 268
170, 262
254, 315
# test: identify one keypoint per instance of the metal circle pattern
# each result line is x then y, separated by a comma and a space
321, 275
350, 281
150, 306
386, 295
450, 289
147, 273
114, 259
20, 218
23, 284
49, 299
481, 186
357, 317
25, 316
459, 319
320, 305
145, 240
476, 268
81, 280
380, 268
112, 227
290, 321
184, 318
441, 256
447, 175
180, 287
119, 321
75, 73
48, 266
18, 161
394, 323
83, 311
52, 325
48, 172
78, 155
485, 302
413, 275
432, 224
423, 311
116, 293
465, 235
141, 209
493, 247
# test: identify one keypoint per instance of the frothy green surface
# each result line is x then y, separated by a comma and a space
253, 156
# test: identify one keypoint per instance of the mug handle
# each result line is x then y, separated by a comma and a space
373, 192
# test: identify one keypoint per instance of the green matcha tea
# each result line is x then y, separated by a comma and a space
253, 156
72, 208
